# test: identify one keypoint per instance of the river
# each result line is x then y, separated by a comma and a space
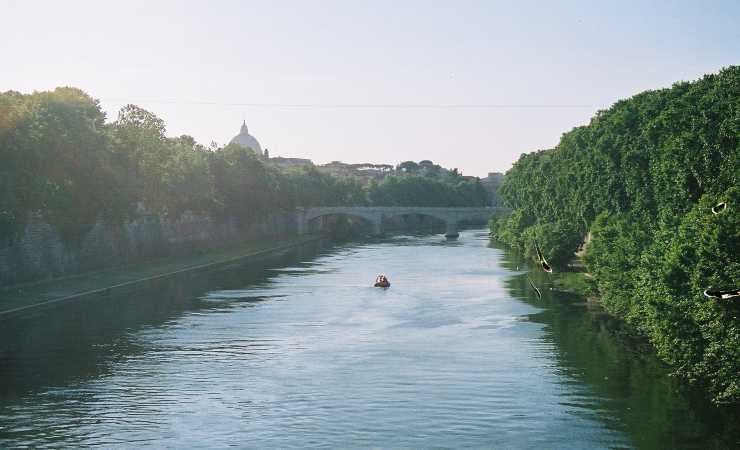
300, 352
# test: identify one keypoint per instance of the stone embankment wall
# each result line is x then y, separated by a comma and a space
40, 252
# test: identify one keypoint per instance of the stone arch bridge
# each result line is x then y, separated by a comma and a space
375, 215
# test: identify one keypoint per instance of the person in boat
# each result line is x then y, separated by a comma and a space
382, 281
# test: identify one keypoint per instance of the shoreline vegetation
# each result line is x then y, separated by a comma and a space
62, 163
62, 160
642, 180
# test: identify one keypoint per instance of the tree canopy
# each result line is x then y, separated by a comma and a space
641, 177
60, 158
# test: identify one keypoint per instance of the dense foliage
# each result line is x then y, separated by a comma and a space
641, 178
59, 158
428, 190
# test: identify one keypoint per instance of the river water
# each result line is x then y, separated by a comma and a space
457, 353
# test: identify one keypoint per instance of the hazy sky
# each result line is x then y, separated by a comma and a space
368, 80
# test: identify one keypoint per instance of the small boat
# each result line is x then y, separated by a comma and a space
382, 282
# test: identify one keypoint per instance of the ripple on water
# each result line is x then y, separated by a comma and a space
312, 356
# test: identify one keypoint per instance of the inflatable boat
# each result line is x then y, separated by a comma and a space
382, 282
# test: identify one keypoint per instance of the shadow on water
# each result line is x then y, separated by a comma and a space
634, 391
81, 340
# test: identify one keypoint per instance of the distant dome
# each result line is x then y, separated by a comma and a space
246, 140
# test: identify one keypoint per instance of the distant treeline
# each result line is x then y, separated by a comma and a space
60, 158
642, 178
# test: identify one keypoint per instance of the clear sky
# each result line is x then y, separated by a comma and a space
373, 81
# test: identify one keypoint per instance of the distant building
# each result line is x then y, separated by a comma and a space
492, 183
364, 171
290, 162
246, 140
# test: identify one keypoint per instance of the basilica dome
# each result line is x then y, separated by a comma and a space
246, 140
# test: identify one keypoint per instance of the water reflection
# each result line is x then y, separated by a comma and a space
82, 340
630, 388
300, 351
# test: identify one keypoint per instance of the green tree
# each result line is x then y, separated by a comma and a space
640, 177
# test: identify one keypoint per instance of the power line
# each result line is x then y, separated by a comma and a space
354, 105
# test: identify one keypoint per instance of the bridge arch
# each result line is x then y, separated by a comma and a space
401, 213
312, 214
406, 217
375, 215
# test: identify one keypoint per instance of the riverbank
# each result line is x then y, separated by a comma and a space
25, 298
574, 281
578, 283
574, 288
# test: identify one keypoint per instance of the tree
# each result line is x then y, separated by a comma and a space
408, 167
640, 177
